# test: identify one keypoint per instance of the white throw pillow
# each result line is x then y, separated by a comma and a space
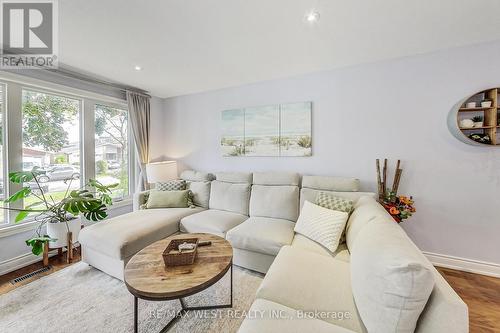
322, 225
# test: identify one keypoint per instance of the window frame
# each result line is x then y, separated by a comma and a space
13, 86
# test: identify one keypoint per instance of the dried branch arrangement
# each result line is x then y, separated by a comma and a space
383, 185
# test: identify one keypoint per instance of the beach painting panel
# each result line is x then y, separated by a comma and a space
262, 130
295, 129
273, 130
233, 133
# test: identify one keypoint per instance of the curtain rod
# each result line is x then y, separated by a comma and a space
95, 80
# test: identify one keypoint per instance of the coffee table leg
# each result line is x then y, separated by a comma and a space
135, 314
185, 308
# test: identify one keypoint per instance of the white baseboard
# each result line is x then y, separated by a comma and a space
462, 264
21, 261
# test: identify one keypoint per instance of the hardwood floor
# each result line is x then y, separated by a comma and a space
482, 296
57, 263
481, 293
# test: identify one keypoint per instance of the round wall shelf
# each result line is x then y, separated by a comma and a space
475, 120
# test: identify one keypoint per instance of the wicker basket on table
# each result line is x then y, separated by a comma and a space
173, 257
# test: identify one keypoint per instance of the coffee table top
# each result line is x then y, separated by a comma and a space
147, 277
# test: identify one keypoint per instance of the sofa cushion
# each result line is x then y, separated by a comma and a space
310, 194
212, 221
304, 243
279, 202
330, 201
234, 177
304, 280
262, 235
328, 183
171, 185
229, 197
200, 192
125, 235
322, 225
366, 209
168, 199
289, 320
391, 279
276, 178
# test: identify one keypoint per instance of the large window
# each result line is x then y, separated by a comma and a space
111, 148
51, 142
2, 140
69, 137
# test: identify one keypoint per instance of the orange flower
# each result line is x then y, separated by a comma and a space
405, 200
394, 211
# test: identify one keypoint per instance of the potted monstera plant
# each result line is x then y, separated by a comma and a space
59, 217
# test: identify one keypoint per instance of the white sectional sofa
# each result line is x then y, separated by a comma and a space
257, 213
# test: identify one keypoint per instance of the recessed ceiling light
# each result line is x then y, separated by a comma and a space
138, 68
312, 16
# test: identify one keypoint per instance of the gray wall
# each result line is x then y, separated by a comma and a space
395, 109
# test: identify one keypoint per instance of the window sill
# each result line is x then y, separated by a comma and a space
18, 228
10, 230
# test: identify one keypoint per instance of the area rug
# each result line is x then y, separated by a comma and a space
81, 298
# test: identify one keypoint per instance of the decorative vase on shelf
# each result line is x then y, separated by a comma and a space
58, 231
486, 104
466, 123
470, 105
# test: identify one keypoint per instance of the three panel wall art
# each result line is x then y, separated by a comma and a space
273, 130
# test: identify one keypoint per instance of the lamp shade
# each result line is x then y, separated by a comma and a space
161, 171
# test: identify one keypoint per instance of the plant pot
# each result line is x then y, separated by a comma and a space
478, 124
486, 104
60, 232
470, 105
466, 123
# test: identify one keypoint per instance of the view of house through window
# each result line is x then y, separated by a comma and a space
51, 142
111, 148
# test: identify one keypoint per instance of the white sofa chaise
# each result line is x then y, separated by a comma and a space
257, 213
109, 245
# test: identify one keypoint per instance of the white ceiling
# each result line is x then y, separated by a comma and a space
188, 46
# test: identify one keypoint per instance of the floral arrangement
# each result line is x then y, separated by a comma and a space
400, 207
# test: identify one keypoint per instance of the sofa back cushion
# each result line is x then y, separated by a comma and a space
366, 209
199, 184
276, 178
275, 195
234, 177
342, 187
230, 192
391, 279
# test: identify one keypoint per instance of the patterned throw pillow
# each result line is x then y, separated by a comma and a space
171, 185
322, 225
330, 201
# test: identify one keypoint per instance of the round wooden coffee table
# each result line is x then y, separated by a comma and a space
147, 277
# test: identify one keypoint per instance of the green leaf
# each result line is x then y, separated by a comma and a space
21, 216
97, 213
37, 243
106, 199
20, 177
21, 194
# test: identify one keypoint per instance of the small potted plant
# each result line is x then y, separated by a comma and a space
478, 121
60, 218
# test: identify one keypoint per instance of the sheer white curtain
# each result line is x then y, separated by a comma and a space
139, 114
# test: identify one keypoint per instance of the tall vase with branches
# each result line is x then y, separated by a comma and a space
90, 200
